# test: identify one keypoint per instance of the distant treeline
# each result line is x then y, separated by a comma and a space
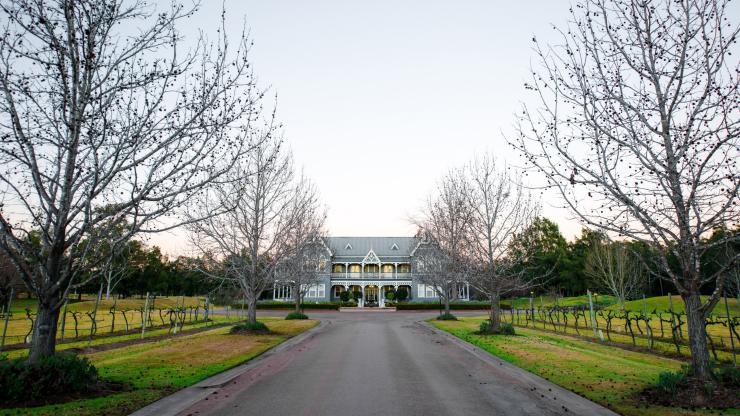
148, 270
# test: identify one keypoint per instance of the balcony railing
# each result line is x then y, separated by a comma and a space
371, 275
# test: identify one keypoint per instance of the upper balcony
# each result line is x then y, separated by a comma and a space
371, 275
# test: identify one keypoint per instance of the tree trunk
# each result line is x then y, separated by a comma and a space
700, 364
298, 303
495, 313
447, 305
43, 343
252, 310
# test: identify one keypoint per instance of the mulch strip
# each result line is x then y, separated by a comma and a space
693, 394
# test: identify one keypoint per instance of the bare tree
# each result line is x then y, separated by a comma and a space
308, 259
501, 209
251, 221
441, 258
95, 114
120, 263
303, 270
638, 131
615, 268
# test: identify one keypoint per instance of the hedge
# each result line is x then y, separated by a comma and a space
415, 306
289, 305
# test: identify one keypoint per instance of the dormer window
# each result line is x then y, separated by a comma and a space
348, 246
394, 246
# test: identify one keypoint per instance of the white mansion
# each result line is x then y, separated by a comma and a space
370, 265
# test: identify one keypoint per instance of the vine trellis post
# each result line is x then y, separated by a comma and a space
64, 316
144, 318
591, 309
729, 328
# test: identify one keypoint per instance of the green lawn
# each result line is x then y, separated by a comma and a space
661, 304
604, 374
547, 301
157, 369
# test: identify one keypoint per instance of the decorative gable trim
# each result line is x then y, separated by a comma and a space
394, 247
348, 246
371, 258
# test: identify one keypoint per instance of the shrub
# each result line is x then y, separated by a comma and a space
410, 306
348, 304
485, 327
668, 381
61, 373
729, 375
249, 327
390, 295
291, 305
447, 317
507, 329
504, 328
401, 294
344, 296
296, 315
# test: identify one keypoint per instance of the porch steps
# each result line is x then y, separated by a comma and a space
357, 309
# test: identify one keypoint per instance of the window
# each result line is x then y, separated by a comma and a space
426, 291
337, 268
371, 268
316, 291
431, 293
354, 268
404, 268
387, 268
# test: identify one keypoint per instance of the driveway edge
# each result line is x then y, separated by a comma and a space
588, 406
182, 399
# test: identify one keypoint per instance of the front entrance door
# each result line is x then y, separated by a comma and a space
371, 295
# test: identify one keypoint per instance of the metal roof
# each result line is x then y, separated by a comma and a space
382, 246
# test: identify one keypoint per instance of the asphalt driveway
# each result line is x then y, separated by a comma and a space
377, 363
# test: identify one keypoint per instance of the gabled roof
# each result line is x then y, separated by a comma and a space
361, 246
371, 258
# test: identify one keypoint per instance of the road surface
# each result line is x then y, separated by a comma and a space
378, 363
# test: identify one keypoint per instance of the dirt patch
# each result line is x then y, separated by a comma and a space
484, 333
243, 331
693, 394
100, 389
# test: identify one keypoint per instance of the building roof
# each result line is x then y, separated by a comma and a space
382, 246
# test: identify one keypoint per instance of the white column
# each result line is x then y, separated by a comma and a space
346, 270
395, 270
362, 299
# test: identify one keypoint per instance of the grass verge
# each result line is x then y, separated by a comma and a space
607, 375
154, 370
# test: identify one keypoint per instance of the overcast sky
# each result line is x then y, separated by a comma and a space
380, 98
